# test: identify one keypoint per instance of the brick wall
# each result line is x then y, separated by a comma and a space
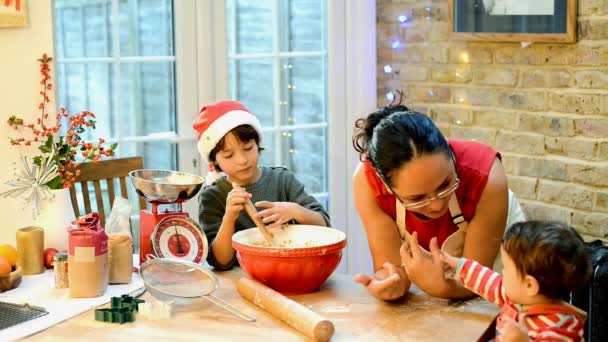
544, 107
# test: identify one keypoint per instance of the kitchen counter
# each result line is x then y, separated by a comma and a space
355, 314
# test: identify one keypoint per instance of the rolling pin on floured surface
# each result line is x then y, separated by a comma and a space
291, 312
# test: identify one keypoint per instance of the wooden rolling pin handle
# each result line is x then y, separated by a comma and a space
291, 312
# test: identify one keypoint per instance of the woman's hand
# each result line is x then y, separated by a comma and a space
512, 331
424, 269
276, 213
387, 283
235, 202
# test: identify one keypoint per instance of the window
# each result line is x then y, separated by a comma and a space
277, 66
116, 58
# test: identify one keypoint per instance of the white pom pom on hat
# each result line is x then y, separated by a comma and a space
212, 175
215, 120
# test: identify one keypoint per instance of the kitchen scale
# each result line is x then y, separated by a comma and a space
168, 233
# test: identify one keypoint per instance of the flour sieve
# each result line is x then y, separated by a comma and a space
177, 279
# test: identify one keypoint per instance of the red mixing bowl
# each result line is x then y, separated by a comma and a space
299, 262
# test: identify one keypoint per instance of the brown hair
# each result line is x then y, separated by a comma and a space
244, 133
552, 252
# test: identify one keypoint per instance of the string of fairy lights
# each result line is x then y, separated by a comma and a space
404, 20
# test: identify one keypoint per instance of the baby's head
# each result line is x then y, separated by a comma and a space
543, 258
225, 123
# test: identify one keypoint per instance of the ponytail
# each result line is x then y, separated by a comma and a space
364, 127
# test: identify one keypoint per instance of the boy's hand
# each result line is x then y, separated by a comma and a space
513, 331
235, 202
276, 213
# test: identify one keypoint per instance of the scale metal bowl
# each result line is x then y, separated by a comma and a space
164, 186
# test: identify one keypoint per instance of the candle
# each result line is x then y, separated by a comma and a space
30, 250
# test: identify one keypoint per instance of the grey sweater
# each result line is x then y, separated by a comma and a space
277, 184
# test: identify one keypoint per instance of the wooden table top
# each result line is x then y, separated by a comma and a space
355, 314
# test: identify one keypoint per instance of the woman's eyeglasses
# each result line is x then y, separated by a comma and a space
440, 195
416, 205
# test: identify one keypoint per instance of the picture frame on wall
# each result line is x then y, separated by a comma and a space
13, 13
547, 21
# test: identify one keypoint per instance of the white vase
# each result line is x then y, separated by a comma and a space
56, 214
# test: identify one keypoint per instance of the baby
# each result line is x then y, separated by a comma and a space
543, 262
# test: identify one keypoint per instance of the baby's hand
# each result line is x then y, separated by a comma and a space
445, 257
277, 213
235, 202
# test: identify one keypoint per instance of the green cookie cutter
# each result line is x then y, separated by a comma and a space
122, 310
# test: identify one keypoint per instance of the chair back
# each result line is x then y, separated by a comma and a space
107, 172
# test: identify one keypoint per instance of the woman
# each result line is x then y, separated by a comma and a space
412, 177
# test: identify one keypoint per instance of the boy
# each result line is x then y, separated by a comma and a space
229, 138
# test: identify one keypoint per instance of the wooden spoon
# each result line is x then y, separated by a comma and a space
251, 211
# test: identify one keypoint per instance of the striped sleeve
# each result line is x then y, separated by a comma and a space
555, 327
481, 280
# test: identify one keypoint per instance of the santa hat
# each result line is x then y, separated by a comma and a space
217, 119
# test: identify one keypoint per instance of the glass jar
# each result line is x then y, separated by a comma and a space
60, 264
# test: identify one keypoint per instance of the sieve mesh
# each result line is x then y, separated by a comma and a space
178, 278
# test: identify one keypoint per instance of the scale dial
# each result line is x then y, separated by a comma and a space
179, 238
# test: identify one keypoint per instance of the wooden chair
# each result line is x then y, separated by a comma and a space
107, 170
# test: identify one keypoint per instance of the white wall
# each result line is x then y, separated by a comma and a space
19, 86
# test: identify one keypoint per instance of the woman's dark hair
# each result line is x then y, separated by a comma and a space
552, 252
392, 136
244, 133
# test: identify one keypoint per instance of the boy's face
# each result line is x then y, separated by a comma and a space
239, 160
512, 282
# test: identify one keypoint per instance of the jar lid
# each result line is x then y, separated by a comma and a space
61, 256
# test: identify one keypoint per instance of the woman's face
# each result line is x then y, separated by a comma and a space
423, 178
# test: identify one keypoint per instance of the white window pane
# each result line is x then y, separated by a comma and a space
148, 98
251, 22
83, 28
305, 27
71, 87
252, 83
146, 27
88, 86
304, 87
160, 155
304, 154
267, 157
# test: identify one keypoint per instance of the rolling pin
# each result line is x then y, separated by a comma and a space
251, 211
291, 312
